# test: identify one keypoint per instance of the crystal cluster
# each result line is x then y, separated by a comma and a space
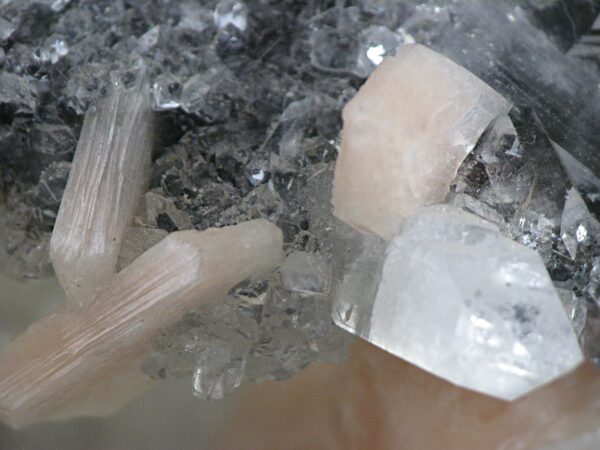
248, 97
271, 328
515, 177
86, 361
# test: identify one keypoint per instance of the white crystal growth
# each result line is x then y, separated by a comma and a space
467, 304
418, 116
110, 170
87, 362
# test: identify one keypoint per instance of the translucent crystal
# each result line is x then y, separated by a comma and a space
580, 175
16, 94
231, 12
376, 43
53, 52
59, 5
334, 41
256, 173
196, 89
356, 286
84, 87
521, 61
305, 272
578, 227
149, 39
160, 211
217, 372
194, 17
503, 332
575, 308
166, 92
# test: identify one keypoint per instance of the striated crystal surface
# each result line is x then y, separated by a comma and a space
136, 241
417, 107
462, 301
87, 361
109, 173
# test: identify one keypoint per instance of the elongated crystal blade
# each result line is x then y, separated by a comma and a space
110, 170
87, 361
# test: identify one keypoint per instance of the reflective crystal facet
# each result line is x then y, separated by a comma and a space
231, 12
376, 43
464, 302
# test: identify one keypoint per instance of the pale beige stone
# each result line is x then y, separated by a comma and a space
87, 361
109, 173
405, 134
378, 401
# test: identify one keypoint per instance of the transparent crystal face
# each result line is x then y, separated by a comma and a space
468, 304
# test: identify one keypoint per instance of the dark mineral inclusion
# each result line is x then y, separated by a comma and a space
248, 98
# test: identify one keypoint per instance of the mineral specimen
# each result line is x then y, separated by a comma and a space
470, 305
248, 97
271, 328
108, 175
87, 361
418, 115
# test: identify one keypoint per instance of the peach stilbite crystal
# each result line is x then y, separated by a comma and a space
418, 116
87, 361
110, 170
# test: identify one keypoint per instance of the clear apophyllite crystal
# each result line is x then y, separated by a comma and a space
376, 43
305, 272
166, 92
578, 226
470, 305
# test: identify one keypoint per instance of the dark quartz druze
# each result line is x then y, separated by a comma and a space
248, 97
